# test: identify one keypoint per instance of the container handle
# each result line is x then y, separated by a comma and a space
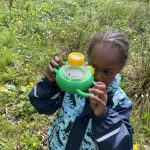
83, 94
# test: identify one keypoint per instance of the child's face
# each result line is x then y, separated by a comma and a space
106, 62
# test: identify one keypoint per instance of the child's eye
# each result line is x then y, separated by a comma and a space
108, 73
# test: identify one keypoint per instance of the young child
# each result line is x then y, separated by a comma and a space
100, 122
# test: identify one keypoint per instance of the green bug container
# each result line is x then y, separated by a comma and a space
75, 76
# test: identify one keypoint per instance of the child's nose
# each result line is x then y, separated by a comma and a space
98, 77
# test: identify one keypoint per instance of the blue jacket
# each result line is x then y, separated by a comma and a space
76, 127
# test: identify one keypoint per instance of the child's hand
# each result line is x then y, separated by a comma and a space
57, 62
98, 99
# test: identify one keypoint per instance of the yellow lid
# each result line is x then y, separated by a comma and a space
92, 69
76, 59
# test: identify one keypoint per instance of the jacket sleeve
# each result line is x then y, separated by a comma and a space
112, 131
46, 97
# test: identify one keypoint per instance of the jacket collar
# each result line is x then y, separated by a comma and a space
114, 85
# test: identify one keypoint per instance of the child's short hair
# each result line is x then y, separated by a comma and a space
113, 38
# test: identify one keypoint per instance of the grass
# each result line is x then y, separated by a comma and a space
32, 32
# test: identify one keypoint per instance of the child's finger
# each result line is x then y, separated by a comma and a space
50, 73
95, 100
101, 86
99, 93
96, 91
50, 69
54, 63
98, 82
56, 58
92, 101
59, 60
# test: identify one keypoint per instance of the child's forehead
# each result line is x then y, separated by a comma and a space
105, 54
104, 49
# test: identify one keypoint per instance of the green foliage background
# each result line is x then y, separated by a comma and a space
33, 31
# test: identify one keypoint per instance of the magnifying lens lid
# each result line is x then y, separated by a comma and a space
75, 72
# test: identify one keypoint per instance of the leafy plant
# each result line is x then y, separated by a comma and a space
139, 86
